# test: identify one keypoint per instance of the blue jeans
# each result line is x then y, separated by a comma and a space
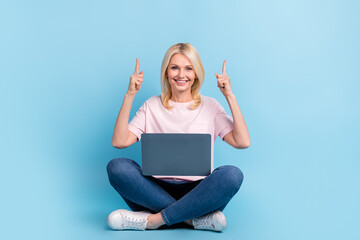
177, 201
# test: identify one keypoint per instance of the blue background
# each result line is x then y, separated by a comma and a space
294, 68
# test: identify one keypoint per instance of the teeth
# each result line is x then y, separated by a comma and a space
180, 81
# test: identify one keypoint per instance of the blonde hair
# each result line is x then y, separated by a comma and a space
188, 50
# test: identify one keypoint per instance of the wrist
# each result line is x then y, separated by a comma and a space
228, 96
130, 95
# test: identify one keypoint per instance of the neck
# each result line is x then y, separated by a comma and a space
181, 98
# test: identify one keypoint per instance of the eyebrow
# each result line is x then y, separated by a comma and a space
185, 65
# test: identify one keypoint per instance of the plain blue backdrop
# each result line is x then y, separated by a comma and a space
294, 68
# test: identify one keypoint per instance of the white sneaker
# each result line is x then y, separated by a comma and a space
124, 219
214, 221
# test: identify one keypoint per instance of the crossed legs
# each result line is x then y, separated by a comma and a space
172, 203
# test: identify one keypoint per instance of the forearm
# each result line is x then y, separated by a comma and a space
121, 126
240, 133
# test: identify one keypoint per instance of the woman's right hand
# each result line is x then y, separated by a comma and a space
135, 80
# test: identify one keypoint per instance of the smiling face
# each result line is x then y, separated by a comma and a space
181, 74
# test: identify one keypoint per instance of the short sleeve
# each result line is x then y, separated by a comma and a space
137, 124
223, 122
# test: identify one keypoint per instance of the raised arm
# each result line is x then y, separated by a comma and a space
239, 137
122, 137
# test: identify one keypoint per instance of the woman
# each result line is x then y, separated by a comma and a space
180, 108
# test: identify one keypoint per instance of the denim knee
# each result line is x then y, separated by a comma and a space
232, 177
119, 167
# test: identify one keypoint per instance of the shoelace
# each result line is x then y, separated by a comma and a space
205, 222
133, 223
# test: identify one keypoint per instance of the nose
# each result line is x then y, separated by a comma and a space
181, 73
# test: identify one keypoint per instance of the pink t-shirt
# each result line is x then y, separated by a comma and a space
209, 117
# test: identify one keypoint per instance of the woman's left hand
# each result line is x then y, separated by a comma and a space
224, 81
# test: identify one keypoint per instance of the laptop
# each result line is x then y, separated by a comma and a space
176, 154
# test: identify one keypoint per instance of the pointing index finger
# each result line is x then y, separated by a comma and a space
224, 68
137, 66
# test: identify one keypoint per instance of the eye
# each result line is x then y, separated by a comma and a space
189, 69
173, 67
